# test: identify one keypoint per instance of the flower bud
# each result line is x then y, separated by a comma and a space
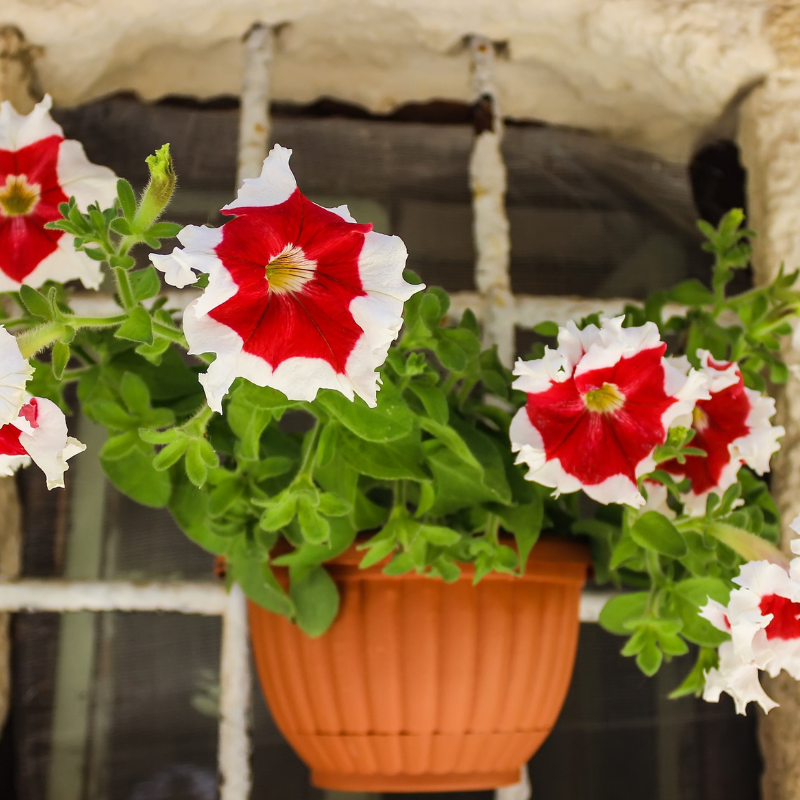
159, 190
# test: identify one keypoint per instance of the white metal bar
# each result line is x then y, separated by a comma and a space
204, 597
487, 176
254, 113
185, 597
234, 700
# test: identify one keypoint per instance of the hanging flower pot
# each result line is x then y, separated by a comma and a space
422, 685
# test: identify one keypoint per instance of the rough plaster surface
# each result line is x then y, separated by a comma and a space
770, 145
651, 73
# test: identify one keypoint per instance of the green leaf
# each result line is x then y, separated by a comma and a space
430, 311
655, 532
326, 446
135, 394
692, 293
438, 535
189, 508
525, 522
121, 226
622, 609
390, 420
451, 440
260, 586
137, 328
170, 454
196, 467
457, 484
450, 355
60, 359
546, 329
135, 476
396, 460
331, 505
119, 446
314, 527
649, 659
164, 230
316, 601
35, 302
248, 423
224, 495
127, 199
433, 400
280, 512
145, 283
109, 413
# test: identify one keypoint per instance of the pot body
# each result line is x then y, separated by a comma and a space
420, 685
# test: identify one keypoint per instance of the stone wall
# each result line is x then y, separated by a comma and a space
650, 73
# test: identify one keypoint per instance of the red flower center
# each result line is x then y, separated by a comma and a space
290, 270
30, 193
606, 421
605, 400
310, 258
18, 197
785, 622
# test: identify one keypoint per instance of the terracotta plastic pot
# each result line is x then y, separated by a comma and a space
421, 685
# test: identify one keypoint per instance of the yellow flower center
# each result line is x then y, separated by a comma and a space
605, 400
290, 270
699, 419
18, 197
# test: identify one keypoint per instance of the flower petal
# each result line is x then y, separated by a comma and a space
15, 372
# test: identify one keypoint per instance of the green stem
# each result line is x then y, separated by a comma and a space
124, 288
309, 450
95, 322
492, 526
749, 546
31, 342
173, 334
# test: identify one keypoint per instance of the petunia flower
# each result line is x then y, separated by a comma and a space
732, 426
763, 619
39, 169
15, 372
299, 297
597, 408
38, 434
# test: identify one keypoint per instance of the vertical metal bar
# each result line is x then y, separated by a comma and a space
235, 689
254, 113
487, 175
234, 700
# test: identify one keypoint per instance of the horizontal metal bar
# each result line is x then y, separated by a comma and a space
592, 602
529, 310
197, 597
190, 597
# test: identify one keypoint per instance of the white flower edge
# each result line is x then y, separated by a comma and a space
46, 442
15, 372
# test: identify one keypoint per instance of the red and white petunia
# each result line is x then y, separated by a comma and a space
38, 434
763, 619
39, 169
299, 297
15, 372
597, 408
732, 426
